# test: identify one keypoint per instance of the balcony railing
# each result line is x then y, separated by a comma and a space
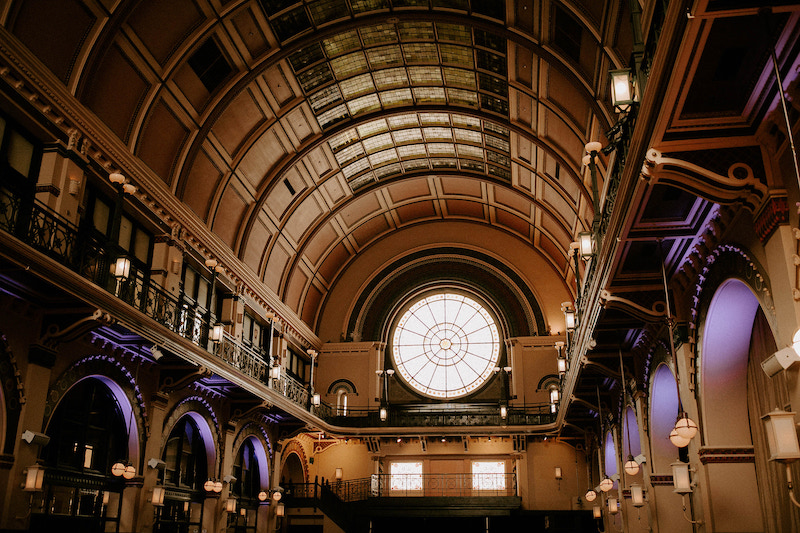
39, 227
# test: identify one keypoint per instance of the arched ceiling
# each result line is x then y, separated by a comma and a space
302, 133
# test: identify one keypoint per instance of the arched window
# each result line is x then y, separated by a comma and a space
185, 456
341, 402
446, 345
87, 431
247, 473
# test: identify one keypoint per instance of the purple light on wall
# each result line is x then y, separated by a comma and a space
631, 433
610, 455
663, 412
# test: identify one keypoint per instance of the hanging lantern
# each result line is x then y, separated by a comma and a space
637, 495
208, 486
597, 512
130, 472
631, 466
781, 433
262, 496
590, 495
680, 478
606, 485
686, 427
676, 439
613, 506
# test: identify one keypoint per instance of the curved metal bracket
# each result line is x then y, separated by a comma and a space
55, 335
656, 313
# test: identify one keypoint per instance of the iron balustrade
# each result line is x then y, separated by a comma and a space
244, 359
453, 416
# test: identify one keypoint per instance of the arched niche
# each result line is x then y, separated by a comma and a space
663, 413
610, 456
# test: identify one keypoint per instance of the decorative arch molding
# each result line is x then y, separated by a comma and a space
12, 396
202, 413
342, 384
256, 432
122, 385
488, 277
293, 447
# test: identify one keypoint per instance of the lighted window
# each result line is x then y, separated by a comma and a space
489, 475
446, 345
405, 477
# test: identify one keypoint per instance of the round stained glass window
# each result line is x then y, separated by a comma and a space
446, 345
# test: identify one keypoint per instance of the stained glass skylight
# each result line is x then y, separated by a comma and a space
446, 345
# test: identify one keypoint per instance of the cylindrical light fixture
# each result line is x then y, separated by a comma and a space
781, 433
230, 505
637, 495
613, 506
384, 414
623, 93
34, 478
280, 510
558, 473
586, 244
316, 400
122, 268
275, 372
569, 316
597, 512
680, 478
158, 496
216, 332
503, 412
337, 474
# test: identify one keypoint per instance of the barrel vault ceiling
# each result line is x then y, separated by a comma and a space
303, 133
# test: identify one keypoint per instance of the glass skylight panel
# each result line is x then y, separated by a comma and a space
349, 65
502, 173
445, 345
412, 151
385, 156
454, 32
491, 62
372, 127
438, 134
357, 86
343, 139
494, 127
315, 77
466, 121
377, 142
354, 168
468, 136
341, 43
397, 97
346, 155
498, 158
391, 77
462, 97
384, 56
362, 6
499, 144
332, 116
434, 118
451, 4
425, 75
416, 164
493, 103
458, 55
387, 170
416, 31
444, 163
466, 150
420, 53
362, 181
490, 40
305, 57
364, 104
429, 95
401, 121
325, 97
493, 84
381, 33
408, 135
441, 149
323, 11
474, 166
459, 77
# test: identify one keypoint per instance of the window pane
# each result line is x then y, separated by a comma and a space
100, 216
20, 153
141, 248
405, 476
125, 233
488, 475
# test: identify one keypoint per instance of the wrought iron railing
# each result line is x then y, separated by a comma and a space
244, 359
444, 416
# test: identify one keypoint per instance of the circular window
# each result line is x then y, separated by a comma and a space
446, 345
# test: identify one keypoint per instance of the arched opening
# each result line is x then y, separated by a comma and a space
293, 471
250, 470
610, 456
663, 412
341, 402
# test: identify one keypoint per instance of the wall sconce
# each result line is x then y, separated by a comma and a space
122, 268
590, 495
32, 437
637, 495
569, 315
554, 394
558, 473
503, 412
216, 333
158, 496
561, 359
781, 433
280, 510
230, 505
338, 474
623, 89
275, 372
34, 478
229, 479
316, 400
586, 244
680, 478
613, 506
156, 464
384, 414
116, 177
783, 359
597, 512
